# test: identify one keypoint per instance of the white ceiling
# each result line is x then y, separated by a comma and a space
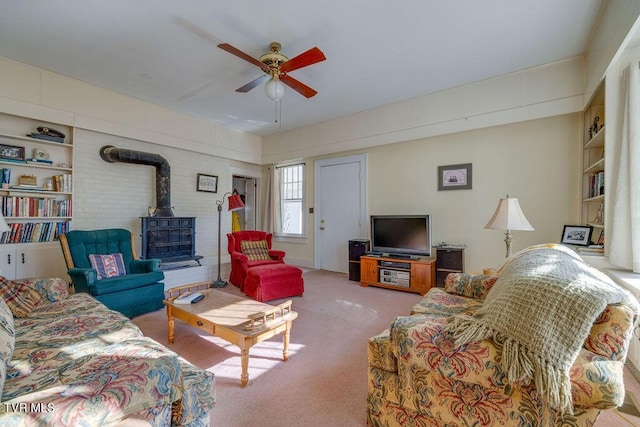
378, 52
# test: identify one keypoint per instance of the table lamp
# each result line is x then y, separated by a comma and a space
508, 216
235, 203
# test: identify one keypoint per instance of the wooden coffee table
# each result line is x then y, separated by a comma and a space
240, 321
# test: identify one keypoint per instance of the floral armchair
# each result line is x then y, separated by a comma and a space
249, 249
418, 376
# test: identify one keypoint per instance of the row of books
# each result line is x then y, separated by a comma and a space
14, 206
62, 182
596, 184
30, 232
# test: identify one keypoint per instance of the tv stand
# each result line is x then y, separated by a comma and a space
405, 273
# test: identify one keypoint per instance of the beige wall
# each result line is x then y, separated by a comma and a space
608, 39
33, 92
536, 161
545, 91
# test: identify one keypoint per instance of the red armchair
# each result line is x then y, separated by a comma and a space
240, 262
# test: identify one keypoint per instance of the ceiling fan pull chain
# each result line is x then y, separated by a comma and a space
275, 111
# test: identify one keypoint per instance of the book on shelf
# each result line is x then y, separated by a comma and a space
592, 249
36, 232
27, 187
41, 161
596, 184
62, 183
13, 160
45, 137
6, 176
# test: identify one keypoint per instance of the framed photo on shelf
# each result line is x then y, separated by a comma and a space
11, 152
207, 183
577, 235
601, 238
454, 177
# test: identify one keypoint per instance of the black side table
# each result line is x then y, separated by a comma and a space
357, 248
449, 259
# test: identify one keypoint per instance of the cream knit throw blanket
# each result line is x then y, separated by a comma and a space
541, 310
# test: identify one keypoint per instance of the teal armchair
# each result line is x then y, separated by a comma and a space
139, 290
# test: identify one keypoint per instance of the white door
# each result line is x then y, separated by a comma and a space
340, 210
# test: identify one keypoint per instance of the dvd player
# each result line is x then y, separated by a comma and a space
396, 264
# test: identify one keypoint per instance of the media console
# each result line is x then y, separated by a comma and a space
412, 275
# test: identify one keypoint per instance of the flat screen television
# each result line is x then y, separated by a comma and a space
401, 234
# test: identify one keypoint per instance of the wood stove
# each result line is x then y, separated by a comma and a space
170, 239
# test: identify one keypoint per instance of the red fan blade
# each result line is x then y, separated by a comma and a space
309, 57
253, 83
240, 54
298, 86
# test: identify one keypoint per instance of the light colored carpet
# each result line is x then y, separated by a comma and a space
324, 382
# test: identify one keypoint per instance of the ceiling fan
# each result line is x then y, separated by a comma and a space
276, 67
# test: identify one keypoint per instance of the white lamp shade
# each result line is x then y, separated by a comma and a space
274, 89
509, 216
3, 225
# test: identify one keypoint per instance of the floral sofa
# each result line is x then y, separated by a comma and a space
68, 360
420, 375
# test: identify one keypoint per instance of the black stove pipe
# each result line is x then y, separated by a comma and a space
112, 154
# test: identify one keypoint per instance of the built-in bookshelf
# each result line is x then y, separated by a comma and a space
593, 166
36, 172
36, 194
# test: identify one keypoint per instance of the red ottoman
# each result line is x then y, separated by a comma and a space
273, 281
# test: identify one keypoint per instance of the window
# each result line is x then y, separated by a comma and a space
291, 199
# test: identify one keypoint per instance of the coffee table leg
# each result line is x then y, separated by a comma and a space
244, 377
286, 338
171, 325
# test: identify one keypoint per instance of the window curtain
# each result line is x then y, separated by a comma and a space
272, 206
624, 237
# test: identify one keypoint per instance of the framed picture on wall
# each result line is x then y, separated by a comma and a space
208, 183
577, 235
454, 177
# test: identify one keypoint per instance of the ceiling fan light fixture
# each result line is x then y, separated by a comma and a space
274, 89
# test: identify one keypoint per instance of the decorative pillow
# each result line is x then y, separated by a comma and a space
53, 289
255, 249
111, 265
19, 297
469, 285
7, 340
